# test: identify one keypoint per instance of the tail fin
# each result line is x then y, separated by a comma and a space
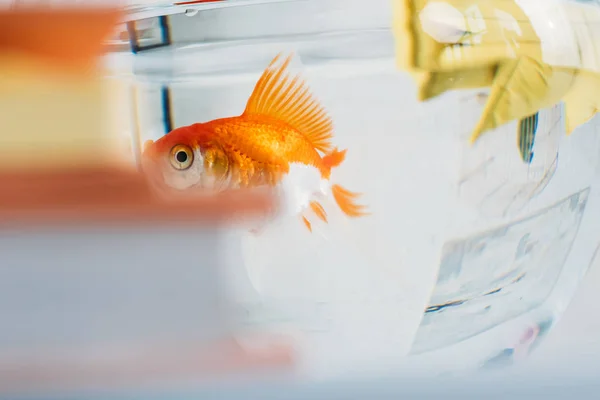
345, 200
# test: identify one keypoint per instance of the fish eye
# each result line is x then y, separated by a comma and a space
182, 157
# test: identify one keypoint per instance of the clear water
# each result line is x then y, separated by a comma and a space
469, 254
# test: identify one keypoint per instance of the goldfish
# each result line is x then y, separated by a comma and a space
282, 139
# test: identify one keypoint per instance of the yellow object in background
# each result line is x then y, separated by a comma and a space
456, 34
417, 52
582, 100
520, 88
432, 84
463, 44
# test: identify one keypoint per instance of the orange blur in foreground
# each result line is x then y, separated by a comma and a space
282, 128
188, 362
68, 36
113, 196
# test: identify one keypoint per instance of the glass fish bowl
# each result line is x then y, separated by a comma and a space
469, 253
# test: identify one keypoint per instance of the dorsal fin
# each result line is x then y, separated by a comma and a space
288, 99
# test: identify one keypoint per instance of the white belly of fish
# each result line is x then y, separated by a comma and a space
299, 187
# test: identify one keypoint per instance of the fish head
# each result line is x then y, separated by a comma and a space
184, 159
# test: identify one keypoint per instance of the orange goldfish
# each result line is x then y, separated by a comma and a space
282, 139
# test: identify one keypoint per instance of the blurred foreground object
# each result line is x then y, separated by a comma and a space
533, 54
51, 99
102, 282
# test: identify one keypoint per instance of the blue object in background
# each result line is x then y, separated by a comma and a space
527, 129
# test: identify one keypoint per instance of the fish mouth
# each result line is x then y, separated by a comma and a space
147, 145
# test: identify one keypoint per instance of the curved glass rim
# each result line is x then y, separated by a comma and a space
141, 11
